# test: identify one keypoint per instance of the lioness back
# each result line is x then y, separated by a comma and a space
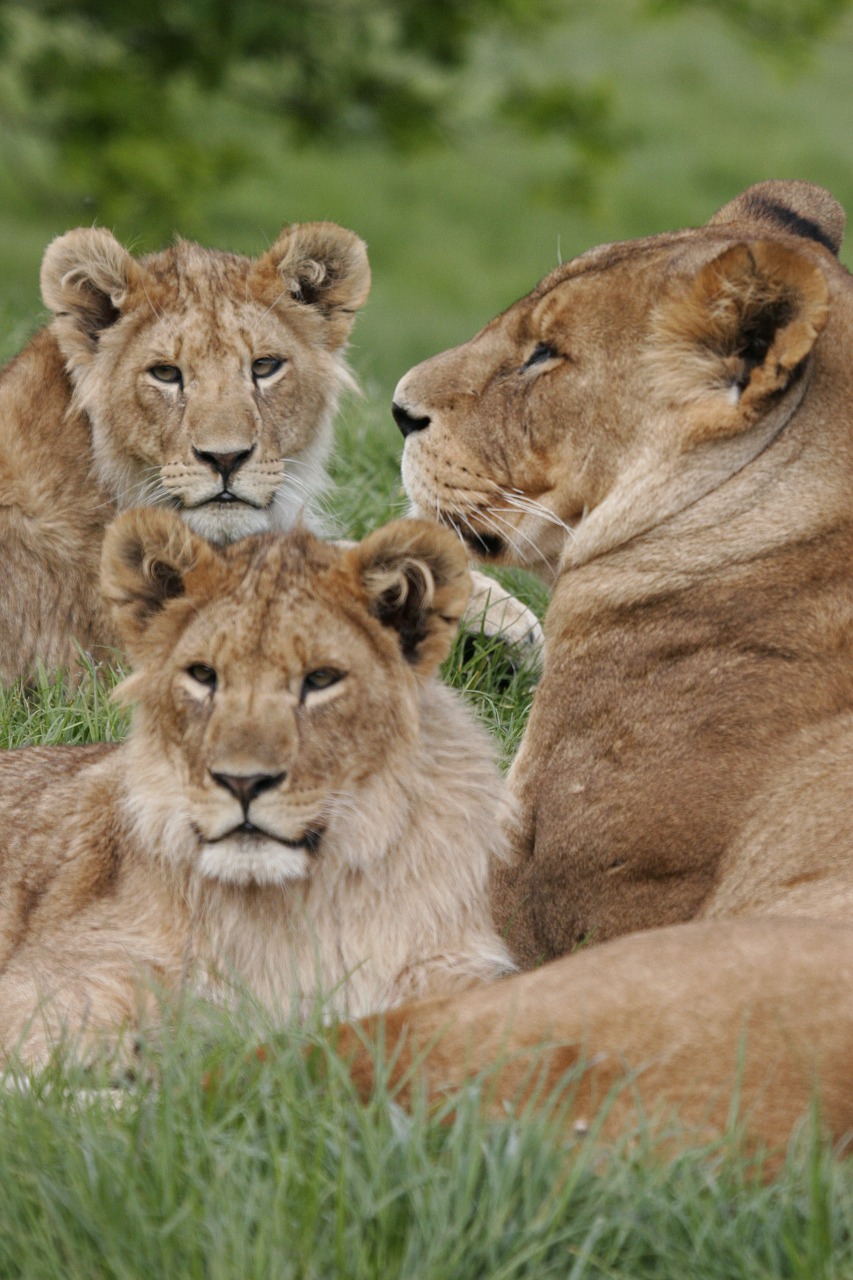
192, 379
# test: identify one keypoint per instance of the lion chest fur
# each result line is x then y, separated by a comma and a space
192, 379
300, 809
657, 727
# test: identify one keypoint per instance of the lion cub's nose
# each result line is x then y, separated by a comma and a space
246, 786
407, 422
224, 464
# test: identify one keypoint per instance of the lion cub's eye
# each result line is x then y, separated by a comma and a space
322, 678
166, 373
540, 353
203, 674
266, 366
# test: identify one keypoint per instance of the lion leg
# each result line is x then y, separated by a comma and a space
497, 612
511, 894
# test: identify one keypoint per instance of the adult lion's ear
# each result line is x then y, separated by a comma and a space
86, 276
149, 558
322, 266
798, 208
738, 335
416, 578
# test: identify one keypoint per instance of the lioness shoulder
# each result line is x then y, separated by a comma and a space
193, 379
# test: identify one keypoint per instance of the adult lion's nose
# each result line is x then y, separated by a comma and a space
406, 421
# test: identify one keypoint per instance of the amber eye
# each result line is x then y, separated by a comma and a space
166, 373
266, 366
322, 678
203, 674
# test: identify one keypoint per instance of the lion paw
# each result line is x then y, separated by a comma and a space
496, 612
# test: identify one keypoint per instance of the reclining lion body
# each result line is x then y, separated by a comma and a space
667, 425
193, 379
300, 806
705, 1025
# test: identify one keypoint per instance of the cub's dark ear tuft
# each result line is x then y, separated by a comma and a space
796, 208
147, 559
417, 581
86, 276
319, 266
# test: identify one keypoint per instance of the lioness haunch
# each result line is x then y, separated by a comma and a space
299, 803
703, 1024
668, 425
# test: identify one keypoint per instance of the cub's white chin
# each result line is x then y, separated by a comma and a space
250, 860
223, 522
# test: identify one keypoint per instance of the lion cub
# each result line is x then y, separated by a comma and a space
191, 379
300, 804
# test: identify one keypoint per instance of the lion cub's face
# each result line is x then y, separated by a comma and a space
274, 679
627, 372
210, 379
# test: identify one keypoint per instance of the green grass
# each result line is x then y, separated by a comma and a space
220, 1166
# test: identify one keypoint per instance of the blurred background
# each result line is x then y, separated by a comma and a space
472, 143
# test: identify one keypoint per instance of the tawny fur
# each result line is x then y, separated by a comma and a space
666, 427
712, 1026
362, 875
89, 429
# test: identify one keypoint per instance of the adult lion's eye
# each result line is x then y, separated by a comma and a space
166, 373
322, 678
540, 353
266, 366
202, 673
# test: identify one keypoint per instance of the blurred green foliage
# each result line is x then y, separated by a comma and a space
782, 27
131, 82
117, 106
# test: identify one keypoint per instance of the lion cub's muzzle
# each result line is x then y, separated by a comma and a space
245, 788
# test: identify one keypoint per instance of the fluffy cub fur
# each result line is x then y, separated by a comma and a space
191, 379
705, 1023
300, 803
667, 424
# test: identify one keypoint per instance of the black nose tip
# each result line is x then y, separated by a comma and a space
245, 787
407, 422
224, 464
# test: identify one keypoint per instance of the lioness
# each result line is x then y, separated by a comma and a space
191, 379
702, 1023
299, 803
667, 425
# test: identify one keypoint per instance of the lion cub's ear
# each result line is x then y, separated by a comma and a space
86, 276
147, 559
322, 266
417, 581
738, 335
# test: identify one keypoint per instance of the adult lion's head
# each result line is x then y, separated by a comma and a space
210, 380
629, 383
